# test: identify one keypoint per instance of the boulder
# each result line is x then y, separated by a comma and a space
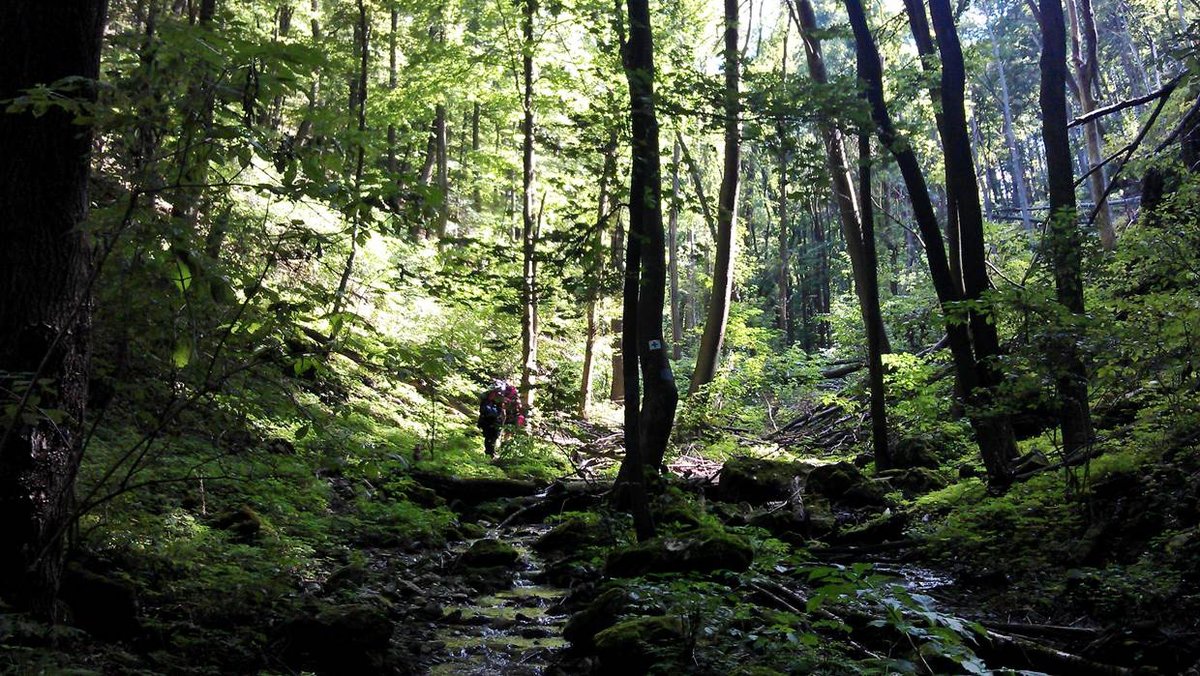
636, 644
884, 527
915, 452
814, 520
757, 481
597, 616
349, 639
700, 551
569, 536
243, 523
489, 554
843, 483
915, 480
104, 606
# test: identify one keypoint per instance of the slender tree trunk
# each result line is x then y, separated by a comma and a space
528, 300
839, 168
595, 262
1010, 136
442, 161
722, 288
362, 32
1086, 69
698, 186
673, 253
995, 444
783, 283
45, 308
879, 429
1065, 238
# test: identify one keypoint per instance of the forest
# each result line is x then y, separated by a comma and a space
730, 337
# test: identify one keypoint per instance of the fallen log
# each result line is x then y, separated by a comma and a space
997, 648
1049, 631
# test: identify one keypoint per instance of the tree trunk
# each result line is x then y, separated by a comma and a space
595, 263
839, 168
879, 430
995, 444
1010, 137
1086, 69
354, 212
673, 252
1065, 238
45, 309
713, 337
528, 225
783, 283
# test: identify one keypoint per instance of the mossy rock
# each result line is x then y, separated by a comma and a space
572, 535
243, 523
471, 531
105, 606
816, 520
915, 481
489, 554
634, 645
884, 527
843, 483
679, 514
915, 452
700, 551
349, 639
599, 615
347, 577
757, 481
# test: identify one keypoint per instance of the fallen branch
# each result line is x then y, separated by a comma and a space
1129, 103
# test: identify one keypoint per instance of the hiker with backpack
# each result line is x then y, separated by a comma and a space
499, 406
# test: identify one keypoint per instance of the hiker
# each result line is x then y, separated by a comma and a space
498, 407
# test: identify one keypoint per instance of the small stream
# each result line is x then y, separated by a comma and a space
513, 631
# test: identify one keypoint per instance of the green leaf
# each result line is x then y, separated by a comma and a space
181, 275
183, 352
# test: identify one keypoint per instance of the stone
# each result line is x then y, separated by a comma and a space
597, 616
346, 577
758, 481
471, 531
243, 523
104, 606
634, 645
347, 639
915, 480
573, 534
915, 452
700, 551
489, 553
843, 483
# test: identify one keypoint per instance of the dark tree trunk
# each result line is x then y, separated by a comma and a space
1065, 251
875, 343
711, 340
45, 310
992, 434
645, 339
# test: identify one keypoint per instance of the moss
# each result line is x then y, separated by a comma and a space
599, 615
489, 554
756, 481
842, 482
637, 643
573, 534
703, 550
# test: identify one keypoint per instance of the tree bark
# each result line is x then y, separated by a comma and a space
1086, 68
879, 430
673, 253
1010, 137
528, 225
1065, 238
848, 204
993, 435
45, 307
354, 211
713, 337
783, 284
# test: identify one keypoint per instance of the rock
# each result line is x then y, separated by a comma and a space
678, 514
423, 496
843, 483
346, 577
814, 520
633, 645
104, 606
915, 452
887, 526
701, 551
489, 554
915, 481
599, 615
572, 535
471, 531
474, 490
349, 639
243, 523
758, 481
